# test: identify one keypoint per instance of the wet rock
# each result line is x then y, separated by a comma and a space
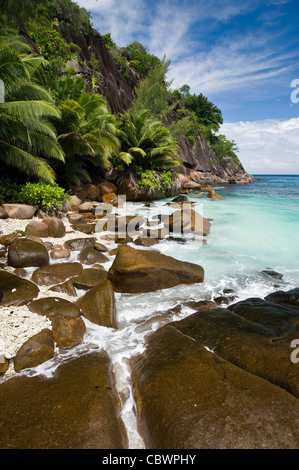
273, 274
146, 241
24, 253
20, 211
75, 409
278, 320
180, 198
93, 192
100, 247
188, 221
56, 273
89, 278
37, 229
60, 254
4, 364
76, 219
66, 287
3, 213
55, 226
91, 256
251, 345
98, 305
68, 331
16, 291
86, 207
36, 350
53, 307
192, 185
189, 398
107, 187
78, 244
136, 271
110, 198
21, 272
214, 196
290, 297
6, 240
84, 228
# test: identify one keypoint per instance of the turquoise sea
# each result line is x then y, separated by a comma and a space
254, 228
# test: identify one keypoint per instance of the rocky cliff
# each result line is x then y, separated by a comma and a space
98, 66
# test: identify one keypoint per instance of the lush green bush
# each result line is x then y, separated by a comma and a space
48, 197
150, 179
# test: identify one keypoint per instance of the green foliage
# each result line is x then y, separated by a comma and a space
86, 133
27, 139
108, 42
186, 125
208, 114
141, 60
224, 147
153, 92
150, 179
48, 197
37, 13
146, 143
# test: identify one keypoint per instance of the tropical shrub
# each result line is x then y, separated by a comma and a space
27, 138
145, 143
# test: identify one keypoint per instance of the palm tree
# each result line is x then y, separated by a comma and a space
27, 138
86, 133
146, 143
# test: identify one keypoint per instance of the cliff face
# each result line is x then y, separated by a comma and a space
107, 79
96, 63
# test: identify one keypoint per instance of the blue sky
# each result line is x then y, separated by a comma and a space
242, 55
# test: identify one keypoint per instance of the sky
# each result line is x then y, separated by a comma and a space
242, 55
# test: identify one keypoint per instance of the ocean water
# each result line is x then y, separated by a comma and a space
254, 228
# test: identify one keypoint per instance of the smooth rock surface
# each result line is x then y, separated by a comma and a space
23, 253
16, 291
35, 351
136, 271
189, 398
75, 409
98, 305
56, 273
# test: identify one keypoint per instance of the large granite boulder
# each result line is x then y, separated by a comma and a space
52, 307
189, 398
188, 221
252, 345
89, 278
98, 305
56, 273
24, 253
78, 244
68, 331
15, 291
290, 297
90, 255
75, 409
55, 226
136, 271
20, 211
35, 351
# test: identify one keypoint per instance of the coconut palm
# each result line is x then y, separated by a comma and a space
27, 138
86, 133
146, 143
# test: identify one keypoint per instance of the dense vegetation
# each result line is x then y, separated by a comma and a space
53, 131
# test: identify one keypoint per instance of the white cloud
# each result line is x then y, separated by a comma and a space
270, 146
